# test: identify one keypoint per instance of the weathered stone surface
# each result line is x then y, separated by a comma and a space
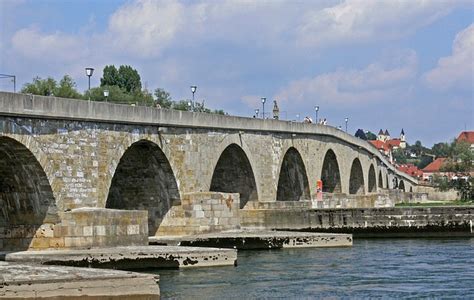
22, 281
244, 240
394, 221
132, 257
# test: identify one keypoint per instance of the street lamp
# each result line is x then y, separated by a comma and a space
89, 72
106, 95
256, 112
13, 78
193, 90
347, 120
316, 109
189, 105
263, 107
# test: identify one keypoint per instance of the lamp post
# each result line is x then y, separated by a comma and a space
263, 107
89, 72
189, 105
316, 109
193, 90
106, 95
347, 120
256, 112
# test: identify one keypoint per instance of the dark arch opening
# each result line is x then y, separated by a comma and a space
144, 180
380, 185
401, 185
411, 189
26, 197
233, 174
372, 182
387, 184
356, 181
293, 182
330, 175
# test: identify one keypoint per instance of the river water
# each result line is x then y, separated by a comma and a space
374, 268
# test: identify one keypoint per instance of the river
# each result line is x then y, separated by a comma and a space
389, 268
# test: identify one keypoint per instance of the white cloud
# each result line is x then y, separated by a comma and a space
377, 82
457, 70
146, 27
33, 44
356, 21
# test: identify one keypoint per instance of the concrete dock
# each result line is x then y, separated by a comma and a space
26, 281
246, 240
132, 257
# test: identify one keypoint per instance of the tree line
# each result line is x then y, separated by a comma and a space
123, 85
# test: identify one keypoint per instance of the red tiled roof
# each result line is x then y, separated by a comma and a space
379, 145
411, 170
467, 136
394, 142
434, 166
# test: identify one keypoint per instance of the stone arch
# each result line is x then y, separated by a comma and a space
372, 180
293, 181
233, 173
356, 180
144, 180
330, 174
380, 185
26, 197
401, 185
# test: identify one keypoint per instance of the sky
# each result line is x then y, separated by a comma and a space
383, 64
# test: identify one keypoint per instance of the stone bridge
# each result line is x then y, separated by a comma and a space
58, 156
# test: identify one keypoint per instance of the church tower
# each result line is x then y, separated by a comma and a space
403, 143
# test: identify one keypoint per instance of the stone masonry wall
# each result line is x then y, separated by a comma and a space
202, 213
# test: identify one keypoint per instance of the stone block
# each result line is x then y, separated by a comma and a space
99, 230
87, 230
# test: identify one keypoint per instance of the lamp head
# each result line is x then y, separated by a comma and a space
264, 99
106, 93
316, 108
193, 89
89, 71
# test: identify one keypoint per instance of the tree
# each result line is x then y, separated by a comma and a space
400, 156
129, 79
163, 98
182, 105
125, 77
67, 88
360, 134
110, 76
441, 150
370, 136
49, 87
43, 87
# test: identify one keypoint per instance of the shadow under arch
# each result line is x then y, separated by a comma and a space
356, 180
330, 175
372, 180
26, 198
401, 185
380, 185
144, 180
293, 181
234, 174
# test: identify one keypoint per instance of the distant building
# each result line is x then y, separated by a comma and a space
386, 145
467, 136
434, 168
411, 170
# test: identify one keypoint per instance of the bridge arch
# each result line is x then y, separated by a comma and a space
144, 180
330, 173
356, 179
372, 179
293, 181
401, 185
26, 197
233, 173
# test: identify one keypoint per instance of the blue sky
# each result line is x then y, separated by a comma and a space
384, 64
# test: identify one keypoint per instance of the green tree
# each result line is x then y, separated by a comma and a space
129, 79
110, 76
163, 98
371, 136
400, 156
43, 87
441, 150
67, 88
182, 105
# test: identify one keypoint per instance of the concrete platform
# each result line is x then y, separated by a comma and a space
246, 240
22, 281
133, 257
